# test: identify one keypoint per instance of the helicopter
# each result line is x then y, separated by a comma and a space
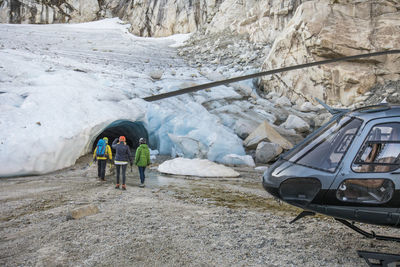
348, 169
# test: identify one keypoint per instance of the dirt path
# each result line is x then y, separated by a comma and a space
173, 221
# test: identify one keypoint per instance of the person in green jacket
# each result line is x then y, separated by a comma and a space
142, 159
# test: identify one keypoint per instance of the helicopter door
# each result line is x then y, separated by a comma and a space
370, 173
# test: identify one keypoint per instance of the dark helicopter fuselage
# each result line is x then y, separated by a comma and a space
348, 169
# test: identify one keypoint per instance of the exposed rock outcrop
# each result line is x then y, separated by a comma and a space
44, 12
166, 17
261, 20
329, 29
147, 17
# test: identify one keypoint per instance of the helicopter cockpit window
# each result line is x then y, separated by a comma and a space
326, 149
381, 150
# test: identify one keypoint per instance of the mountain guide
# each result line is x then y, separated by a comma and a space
142, 159
122, 157
100, 154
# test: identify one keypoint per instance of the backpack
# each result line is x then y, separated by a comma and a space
101, 148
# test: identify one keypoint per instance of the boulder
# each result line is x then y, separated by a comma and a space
267, 152
266, 132
296, 123
156, 74
308, 106
82, 212
283, 101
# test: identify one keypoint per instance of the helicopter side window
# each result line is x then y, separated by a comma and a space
381, 150
326, 149
370, 191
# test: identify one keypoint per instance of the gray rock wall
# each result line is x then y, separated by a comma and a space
48, 11
262, 20
324, 29
165, 17
147, 17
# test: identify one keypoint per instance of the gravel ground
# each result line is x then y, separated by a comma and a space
173, 221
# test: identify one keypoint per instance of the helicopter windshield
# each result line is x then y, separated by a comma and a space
325, 150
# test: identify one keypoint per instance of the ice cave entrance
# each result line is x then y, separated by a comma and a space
133, 131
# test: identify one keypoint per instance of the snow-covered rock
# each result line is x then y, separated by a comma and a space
233, 159
308, 106
196, 167
156, 74
296, 123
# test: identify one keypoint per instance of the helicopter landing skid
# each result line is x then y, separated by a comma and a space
302, 214
384, 259
366, 234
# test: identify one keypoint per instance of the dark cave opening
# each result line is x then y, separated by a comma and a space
133, 131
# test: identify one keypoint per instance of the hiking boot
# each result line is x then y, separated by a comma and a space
123, 187
103, 179
141, 185
117, 186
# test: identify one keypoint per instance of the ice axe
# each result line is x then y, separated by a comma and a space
88, 166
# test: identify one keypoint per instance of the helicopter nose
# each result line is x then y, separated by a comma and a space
298, 191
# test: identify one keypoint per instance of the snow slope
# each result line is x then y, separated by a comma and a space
61, 85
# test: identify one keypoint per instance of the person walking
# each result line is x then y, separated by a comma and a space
101, 153
142, 159
123, 156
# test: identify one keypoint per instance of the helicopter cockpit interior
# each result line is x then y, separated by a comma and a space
381, 150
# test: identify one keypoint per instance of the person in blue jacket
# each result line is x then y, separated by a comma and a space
123, 156
102, 157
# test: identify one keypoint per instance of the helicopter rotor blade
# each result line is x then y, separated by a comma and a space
333, 111
258, 74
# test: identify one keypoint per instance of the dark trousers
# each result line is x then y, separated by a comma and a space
101, 168
123, 172
141, 173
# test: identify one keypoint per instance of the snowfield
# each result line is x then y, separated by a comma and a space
62, 85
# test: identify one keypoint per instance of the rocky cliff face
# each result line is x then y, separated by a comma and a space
147, 17
328, 29
48, 11
279, 33
261, 20
165, 17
